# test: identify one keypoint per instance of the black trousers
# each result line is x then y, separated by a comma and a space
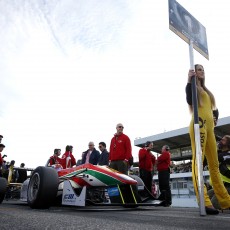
120, 166
147, 178
164, 186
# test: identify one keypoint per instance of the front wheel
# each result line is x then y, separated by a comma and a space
42, 189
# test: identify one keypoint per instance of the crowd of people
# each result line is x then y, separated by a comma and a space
119, 156
18, 175
181, 168
147, 163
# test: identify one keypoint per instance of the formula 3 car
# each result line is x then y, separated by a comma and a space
83, 185
11, 182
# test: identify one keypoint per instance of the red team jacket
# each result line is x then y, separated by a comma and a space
146, 160
70, 163
120, 148
55, 160
163, 161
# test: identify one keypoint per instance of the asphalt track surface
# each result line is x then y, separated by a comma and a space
15, 215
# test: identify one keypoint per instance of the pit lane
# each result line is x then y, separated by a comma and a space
16, 215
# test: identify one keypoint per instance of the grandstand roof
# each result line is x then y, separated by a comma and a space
179, 138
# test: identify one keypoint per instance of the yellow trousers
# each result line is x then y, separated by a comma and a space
209, 150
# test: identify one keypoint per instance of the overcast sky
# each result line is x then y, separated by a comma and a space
70, 70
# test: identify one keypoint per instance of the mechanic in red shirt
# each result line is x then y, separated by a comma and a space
68, 158
146, 162
55, 159
120, 151
163, 167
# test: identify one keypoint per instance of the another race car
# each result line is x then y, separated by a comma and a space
83, 185
12, 180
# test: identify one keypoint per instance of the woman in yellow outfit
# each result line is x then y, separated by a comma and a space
206, 107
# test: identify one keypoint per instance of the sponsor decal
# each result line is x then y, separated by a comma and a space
69, 198
113, 191
202, 124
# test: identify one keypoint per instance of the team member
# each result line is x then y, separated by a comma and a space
22, 173
146, 162
206, 105
91, 155
68, 158
104, 157
55, 159
120, 151
163, 167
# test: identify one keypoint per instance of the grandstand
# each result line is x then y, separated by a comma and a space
179, 140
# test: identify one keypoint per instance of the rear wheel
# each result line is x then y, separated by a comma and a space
140, 186
42, 189
3, 187
138, 179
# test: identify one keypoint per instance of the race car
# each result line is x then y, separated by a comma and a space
11, 182
83, 185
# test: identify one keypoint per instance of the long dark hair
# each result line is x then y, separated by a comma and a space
212, 98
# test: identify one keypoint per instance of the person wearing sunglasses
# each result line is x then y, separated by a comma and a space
104, 157
120, 151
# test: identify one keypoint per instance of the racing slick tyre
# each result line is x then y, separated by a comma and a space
43, 187
3, 187
140, 184
138, 179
